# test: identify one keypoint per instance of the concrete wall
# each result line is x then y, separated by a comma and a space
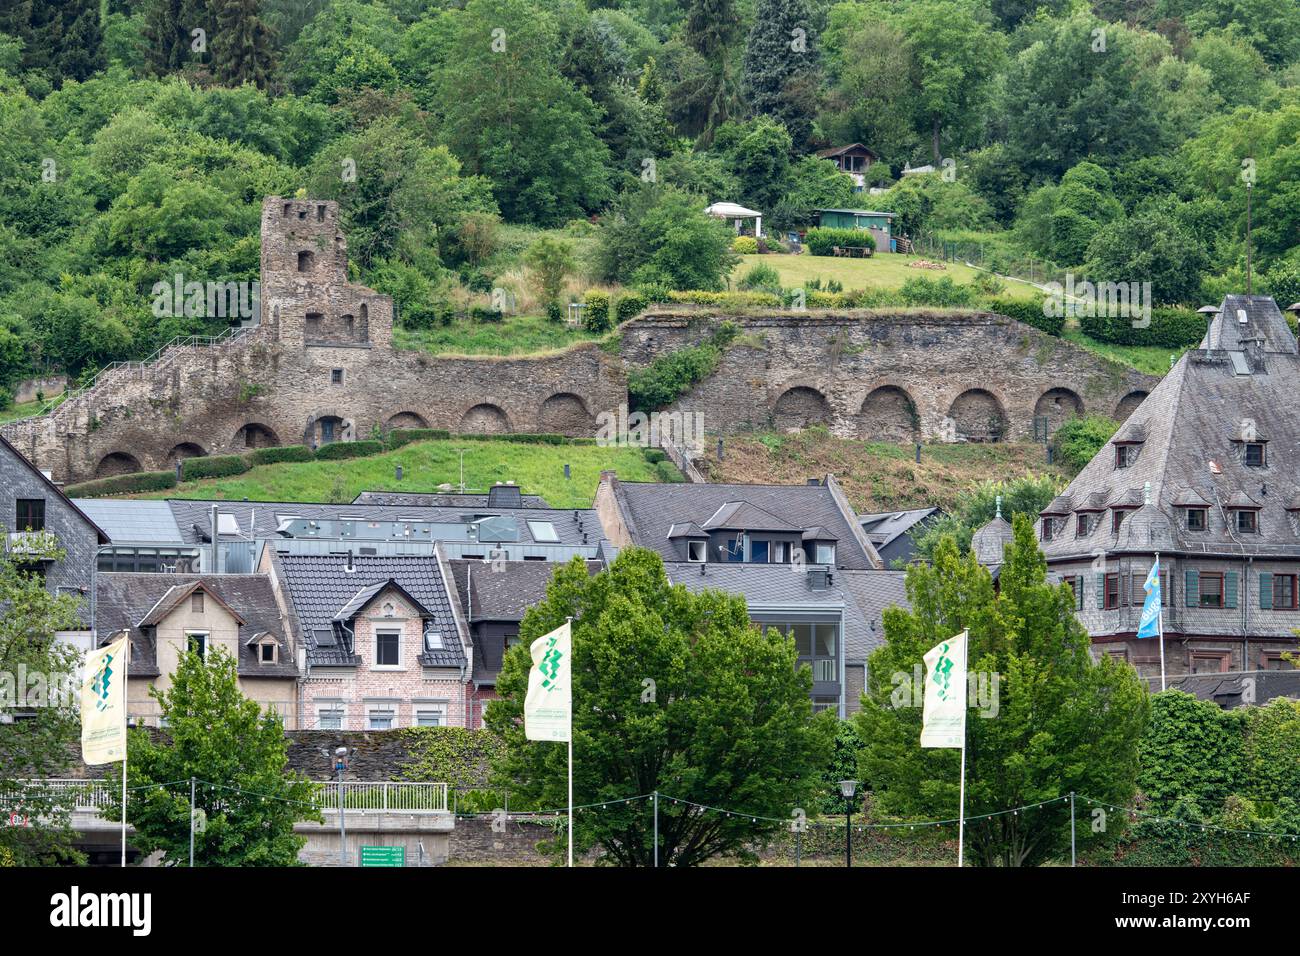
897, 376
31, 389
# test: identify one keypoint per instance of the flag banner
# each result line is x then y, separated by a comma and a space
103, 704
943, 719
548, 708
1149, 623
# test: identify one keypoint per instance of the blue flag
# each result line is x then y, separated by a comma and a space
1149, 625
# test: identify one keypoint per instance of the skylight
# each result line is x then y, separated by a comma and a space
543, 531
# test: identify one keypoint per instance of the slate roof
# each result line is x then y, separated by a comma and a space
505, 594
1229, 690
651, 509
317, 587
1187, 426
779, 586
194, 518
440, 499
25, 462
892, 532
133, 522
178, 593
124, 599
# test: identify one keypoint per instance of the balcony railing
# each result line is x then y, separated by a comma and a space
32, 542
359, 796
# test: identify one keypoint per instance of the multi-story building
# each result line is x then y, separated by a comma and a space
1204, 475
34, 513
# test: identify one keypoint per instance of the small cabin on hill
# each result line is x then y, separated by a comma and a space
854, 159
879, 224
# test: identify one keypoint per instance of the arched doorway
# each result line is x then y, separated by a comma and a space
256, 435
186, 449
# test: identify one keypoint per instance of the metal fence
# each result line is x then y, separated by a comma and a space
362, 796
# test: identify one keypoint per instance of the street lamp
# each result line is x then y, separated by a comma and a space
847, 789
341, 765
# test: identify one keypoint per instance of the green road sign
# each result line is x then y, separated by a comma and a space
383, 856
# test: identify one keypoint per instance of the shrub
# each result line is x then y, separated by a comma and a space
123, 484
1078, 440
734, 299
1170, 328
404, 436
213, 466
761, 277
667, 472
281, 453
629, 306
523, 438
554, 312
349, 449
596, 317
922, 290
481, 313
669, 376
745, 245
1030, 312
821, 242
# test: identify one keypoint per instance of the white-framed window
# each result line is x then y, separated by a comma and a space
780, 553
433, 640
388, 648
431, 713
697, 551
267, 652
330, 715
543, 531
381, 715
825, 553
197, 641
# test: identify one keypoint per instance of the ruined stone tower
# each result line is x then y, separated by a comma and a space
306, 297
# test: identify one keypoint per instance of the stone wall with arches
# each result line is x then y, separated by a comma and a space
897, 376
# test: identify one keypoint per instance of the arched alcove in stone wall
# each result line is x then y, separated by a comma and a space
484, 419
565, 413
978, 417
888, 414
800, 407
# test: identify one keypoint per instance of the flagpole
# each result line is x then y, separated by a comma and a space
569, 622
126, 685
1160, 622
961, 811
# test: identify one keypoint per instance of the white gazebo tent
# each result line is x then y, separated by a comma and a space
735, 212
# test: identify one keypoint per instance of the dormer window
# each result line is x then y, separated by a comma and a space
1117, 517
1084, 524
1197, 519
1245, 521
266, 652
824, 553
1126, 455
1252, 454
1048, 528
697, 551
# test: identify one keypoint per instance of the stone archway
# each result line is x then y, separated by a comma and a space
186, 449
888, 414
1058, 405
800, 407
566, 414
484, 419
405, 420
977, 416
1129, 404
256, 435
117, 463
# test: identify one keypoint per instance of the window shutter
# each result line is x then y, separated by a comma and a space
1101, 591
1193, 588
1078, 596
1265, 590
1230, 589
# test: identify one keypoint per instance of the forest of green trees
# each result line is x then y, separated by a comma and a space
137, 138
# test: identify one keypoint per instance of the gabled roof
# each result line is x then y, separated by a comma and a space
125, 599
743, 516
317, 586
841, 150
178, 593
687, 529
367, 595
58, 492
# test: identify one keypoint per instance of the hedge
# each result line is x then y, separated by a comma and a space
1029, 312
280, 453
213, 466
596, 317
123, 484
705, 297
525, 438
349, 449
821, 242
629, 306
1170, 328
404, 436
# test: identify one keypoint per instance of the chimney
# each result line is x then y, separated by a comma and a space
349, 566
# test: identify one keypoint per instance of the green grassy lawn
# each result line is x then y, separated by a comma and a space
885, 270
25, 410
513, 335
538, 469
1144, 358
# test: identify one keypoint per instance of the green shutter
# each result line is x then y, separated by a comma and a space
1101, 591
1230, 589
1193, 588
1265, 590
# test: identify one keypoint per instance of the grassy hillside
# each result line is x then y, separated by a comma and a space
874, 475
427, 466
885, 270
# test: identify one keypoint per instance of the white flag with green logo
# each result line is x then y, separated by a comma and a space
548, 708
103, 704
943, 720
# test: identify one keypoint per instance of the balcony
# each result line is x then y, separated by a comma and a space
32, 544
